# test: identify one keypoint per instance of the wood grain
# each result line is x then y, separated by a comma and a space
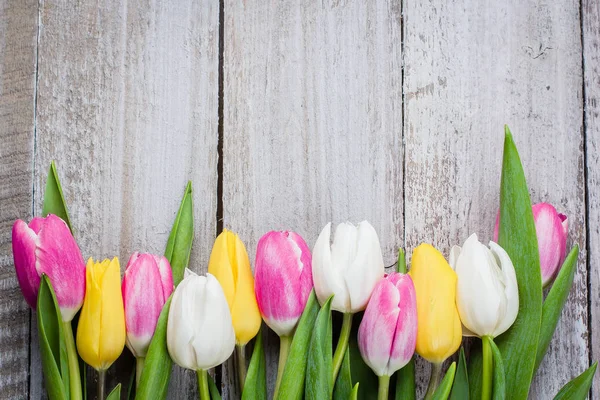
312, 121
18, 50
127, 106
469, 69
591, 64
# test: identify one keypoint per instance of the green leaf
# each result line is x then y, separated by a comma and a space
460, 388
115, 394
319, 368
52, 345
499, 383
157, 367
579, 387
406, 388
213, 389
401, 265
443, 391
256, 379
54, 201
179, 245
554, 303
343, 384
361, 372
294, 372
518, 237
354, 394
131, 386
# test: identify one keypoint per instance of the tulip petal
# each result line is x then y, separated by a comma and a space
511, 289
23, 245
551, 240
326, 277
88, 328
405, 335
112, 327
180, 333
166, 275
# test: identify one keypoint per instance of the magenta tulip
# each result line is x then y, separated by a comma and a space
552, 229
387, 335
283, 279
147, 284
46, 246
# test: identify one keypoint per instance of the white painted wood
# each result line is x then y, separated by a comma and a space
591, 62
18, 46
312, 121
469, 69
127, 106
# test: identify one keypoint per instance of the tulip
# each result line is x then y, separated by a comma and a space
348, 269
147, 284
487, 296
283, 279
552, 231
388, 331
200, 332
439, 332
101, 329
46, 246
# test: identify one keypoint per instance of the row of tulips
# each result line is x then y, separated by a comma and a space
201, 320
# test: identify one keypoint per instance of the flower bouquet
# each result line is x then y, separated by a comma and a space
164, 313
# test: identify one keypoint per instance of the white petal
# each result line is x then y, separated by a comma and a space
326, 278
454, 253
511, 289
179, 329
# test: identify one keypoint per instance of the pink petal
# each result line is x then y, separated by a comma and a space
551, 240
405, 337
166, 275
23, 246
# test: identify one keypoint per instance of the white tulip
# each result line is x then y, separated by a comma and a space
199, 331
349, 268
487, 296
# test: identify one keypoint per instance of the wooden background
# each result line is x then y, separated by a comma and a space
287, 115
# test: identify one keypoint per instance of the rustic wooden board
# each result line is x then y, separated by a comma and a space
18, 51
591, 63
127, 106
470, 69
312, 121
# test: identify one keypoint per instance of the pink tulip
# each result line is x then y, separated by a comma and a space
387, 335
46, 246
147, 284
283, 279
552, 230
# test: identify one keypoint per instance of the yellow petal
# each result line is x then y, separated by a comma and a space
112, 330
88, 328
439, 329
220, 266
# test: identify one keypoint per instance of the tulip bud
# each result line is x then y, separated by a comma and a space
230, 265
283, 279
101, 328
46, 246
147, 284
439, 330
200, 334
388, 331
349, 268
487, 294
551, 230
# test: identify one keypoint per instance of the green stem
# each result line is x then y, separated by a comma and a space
434, 380
74, 376
384, 387
342, 345
139, 366
240, 352
101, 380
284, 347
488, 367
203, 385
401, 266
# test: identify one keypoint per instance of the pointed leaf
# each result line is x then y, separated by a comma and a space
179, 245
51, 341
443, 391
579, 387
361, 372
115, 394
401, 265
354, 394
343, 384
319, 380
460, 388
256, 379
294, 373
213, 390
554, 303
54, 201
499, 383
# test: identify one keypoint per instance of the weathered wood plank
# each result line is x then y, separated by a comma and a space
591, 63
312, 121
18, 47
469, 69
127, 106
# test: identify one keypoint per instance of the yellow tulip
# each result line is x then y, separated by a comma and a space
439, 328
229, 263
101, 329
